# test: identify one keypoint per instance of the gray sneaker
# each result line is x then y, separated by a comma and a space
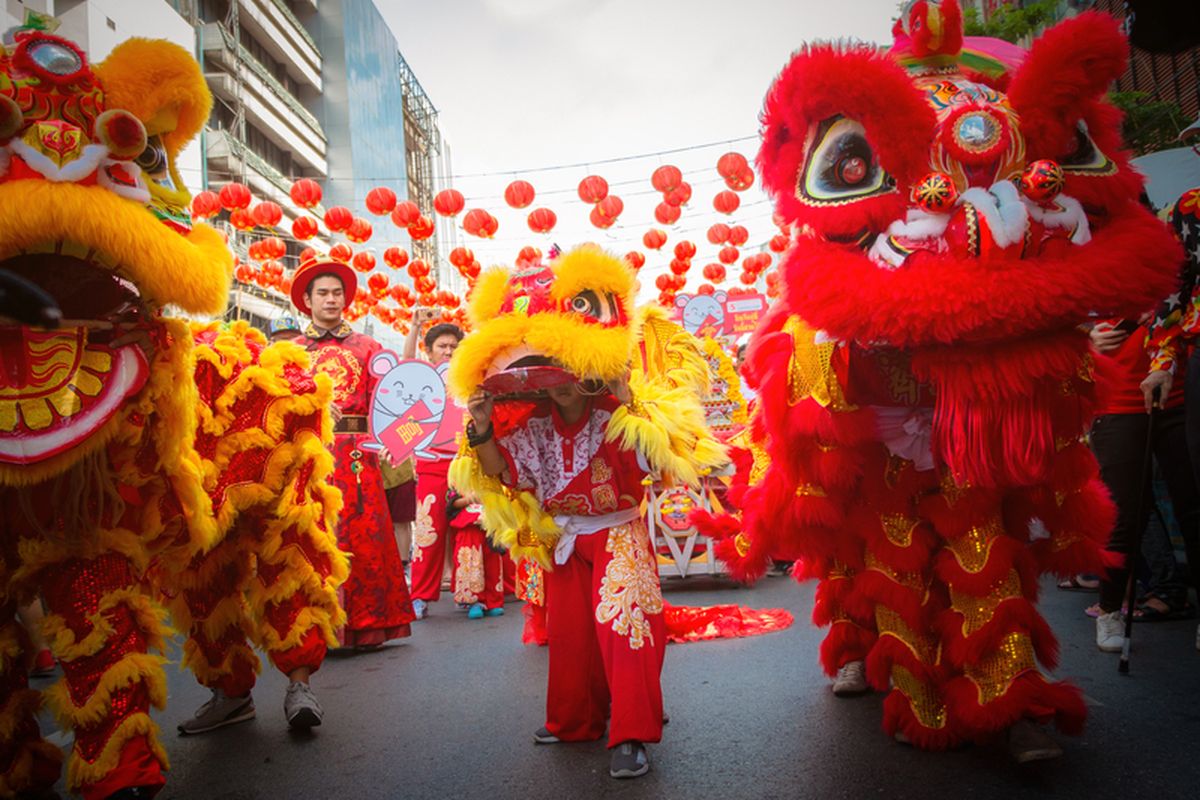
1028, 742
217, 712
300, 706
629, 760
851, 679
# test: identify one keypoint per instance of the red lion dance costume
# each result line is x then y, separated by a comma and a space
923, 387
139, 455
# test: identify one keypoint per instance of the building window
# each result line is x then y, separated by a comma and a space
112, 26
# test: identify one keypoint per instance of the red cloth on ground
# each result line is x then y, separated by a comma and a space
430, 530
1122, 373
588, 658
699, 623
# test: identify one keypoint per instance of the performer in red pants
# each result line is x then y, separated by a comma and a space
478, 569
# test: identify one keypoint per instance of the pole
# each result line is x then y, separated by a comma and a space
1143, 514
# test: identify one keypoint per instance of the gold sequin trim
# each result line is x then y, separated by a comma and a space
891, 471
810, 371
973, 547
898, 528
922, 698
910, 579
741, 544
996, 671
978, 611
951, 490
925, 649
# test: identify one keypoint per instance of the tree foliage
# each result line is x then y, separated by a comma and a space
1150, 125
1011, 23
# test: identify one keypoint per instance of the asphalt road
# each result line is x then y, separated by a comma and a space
449, 713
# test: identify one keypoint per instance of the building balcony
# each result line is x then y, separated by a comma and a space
276, 27
226, 156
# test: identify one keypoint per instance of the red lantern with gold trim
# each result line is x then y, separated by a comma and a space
206, 205
304, 228
338, 219
421, 229
306, 193
449, 202
654, 238
395, 257
666, 214
541, 220
593, 189
666, 178
405, 214
234, 197
380, 200
726, 202
519, 194
738, 235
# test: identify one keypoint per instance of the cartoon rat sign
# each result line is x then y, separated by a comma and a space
410, 412
703, 315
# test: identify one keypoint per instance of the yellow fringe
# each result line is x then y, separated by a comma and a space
207, 673
672, 355
81, 773
131, 668
729, 375
514, 519
149, 618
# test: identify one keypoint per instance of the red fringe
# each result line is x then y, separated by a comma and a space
890, 651
1029, 696
1014, 614
1006, 554
899, 718
879, 589
746, 569
715, 526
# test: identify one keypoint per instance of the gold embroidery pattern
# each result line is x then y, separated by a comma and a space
973, 547
898, 528
924, 648
423, 533
810, 370
468, 576
978, 611
601, 472
741, 544
922, 698
901, 383
343, 369
996, 671
910, 579
629, 589
604, 498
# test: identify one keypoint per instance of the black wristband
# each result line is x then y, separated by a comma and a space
475, 439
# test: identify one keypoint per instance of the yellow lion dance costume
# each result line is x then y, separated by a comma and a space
138, 455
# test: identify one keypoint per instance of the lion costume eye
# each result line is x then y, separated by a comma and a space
594, 306
1086, 158
154, 164
841, 165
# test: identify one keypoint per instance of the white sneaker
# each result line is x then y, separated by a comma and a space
220, 710
1110, 632
420, 609
300, 706
851, 679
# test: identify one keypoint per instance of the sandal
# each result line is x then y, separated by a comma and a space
1079, 583
1147, 611
1094, 610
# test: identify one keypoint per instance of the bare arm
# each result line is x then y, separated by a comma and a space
419, 318
491, 461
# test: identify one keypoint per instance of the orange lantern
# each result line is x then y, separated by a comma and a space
395, 257
593, 189
304, 228
654, 238
240, 218
306, 193
341, 252
666, 178
599, 220
206, 205
679, 266
666, 214
541, 220
338, 219
479, 222
234, 197
405, 214
449, 202
267, 214
365, 262
726, 202
359, 230
519, 194
244, 273
611, 207
635, 259
418, 268
728, 254
738, 235
421, 229
380, 200
425, 285
461, 256
685, 250
378, 282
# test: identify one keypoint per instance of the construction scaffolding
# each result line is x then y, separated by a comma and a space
422, 156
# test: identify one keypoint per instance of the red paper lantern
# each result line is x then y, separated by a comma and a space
206, 205
738, 235
599, 220
395, 257
308, 254
666, 214
528, 253
706, 289
425, 285
779, 243
748, 278
359, 231
726, 202
449, 202
479, 222
685, 250
421, 228
666, 178
718, 233
611, 206
240, 218
306, 193
728, 254
380, 200
679, 195
680, 267
234, 197
378, 282
365, 262
267, 214
718, 274
654, 238
635, 259
304, 228
418, 268
677, 281
741, 181
338, 219
593, 189
519, 194
732, 164
274, 247
461, 256
541, 220
341, 252
662, 282
405, 214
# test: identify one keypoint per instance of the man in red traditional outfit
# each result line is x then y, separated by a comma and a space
375, 597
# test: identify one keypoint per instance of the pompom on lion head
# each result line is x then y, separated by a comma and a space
575, 313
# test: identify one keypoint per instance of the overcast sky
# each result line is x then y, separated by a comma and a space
525, 85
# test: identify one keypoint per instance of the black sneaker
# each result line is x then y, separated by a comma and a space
629, 760
543, 736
